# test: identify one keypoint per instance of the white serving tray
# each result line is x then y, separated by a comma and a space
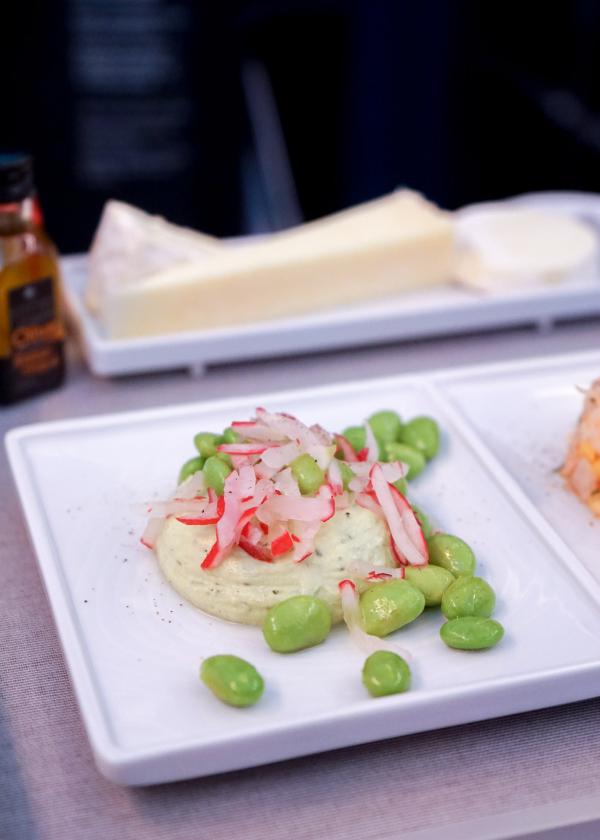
437, 311
133, 647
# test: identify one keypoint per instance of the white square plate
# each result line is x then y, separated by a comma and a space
133, 647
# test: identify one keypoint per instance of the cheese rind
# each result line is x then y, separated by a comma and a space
385, 247
130, 245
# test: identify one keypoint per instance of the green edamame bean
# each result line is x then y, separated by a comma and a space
386, 426
206, 443
347, 474
384, 672
401, 485
452, 553
223, 456
297, 623
308, 474
432, 581
356, 437
422, 433
215, 473
468, 596
471, 632
191, 466
232, 680
386, 607
423, 521
414, 460
230, 435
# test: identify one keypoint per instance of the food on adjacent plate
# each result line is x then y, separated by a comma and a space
581, 469
233, 680
381, 248
503, 247
385, 673
471, 632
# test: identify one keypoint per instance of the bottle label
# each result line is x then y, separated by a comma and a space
34, 329
35, 337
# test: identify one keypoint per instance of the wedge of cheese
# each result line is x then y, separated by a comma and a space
130, 245
382, 248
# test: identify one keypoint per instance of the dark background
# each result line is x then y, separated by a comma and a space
239, 117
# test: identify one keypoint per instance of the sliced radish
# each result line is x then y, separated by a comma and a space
179, 507
151, 531
243, 448
367, 501
366, 571
214, 556
303, 508
346, 448
322, 435
198, 520
287, 425
390, 574
328, 497
393, 470
192, 486
406, 534
334, 476
255, 550
254, 430
371, 444
286, 484
282, 544
321, 454
343, 501
411, 523
281, 456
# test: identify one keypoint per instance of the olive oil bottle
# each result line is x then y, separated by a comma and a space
31, 330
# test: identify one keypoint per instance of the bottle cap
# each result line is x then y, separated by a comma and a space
16, 176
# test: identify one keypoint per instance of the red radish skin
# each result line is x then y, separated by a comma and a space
243, 448
212, 558
282, 544
346, 448
413, 527
208, 520
334, 475
399, 515
255, 550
